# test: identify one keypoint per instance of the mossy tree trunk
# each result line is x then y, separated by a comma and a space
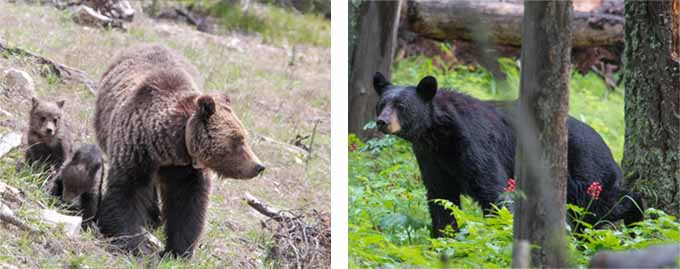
372, 43
651, 159
541, 162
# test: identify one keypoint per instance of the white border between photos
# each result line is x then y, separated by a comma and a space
339, 129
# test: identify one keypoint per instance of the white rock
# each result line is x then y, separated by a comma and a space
71, 224
18, 84
9, 141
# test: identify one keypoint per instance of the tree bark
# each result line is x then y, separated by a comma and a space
651, 159
376, 34
502, 22
541, 162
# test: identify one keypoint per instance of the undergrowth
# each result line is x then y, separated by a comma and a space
389, 224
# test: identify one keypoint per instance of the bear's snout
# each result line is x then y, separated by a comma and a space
388, 122
259, 168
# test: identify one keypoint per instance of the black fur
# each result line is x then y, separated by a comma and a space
81, 178
467, 146
131, 200
185, 192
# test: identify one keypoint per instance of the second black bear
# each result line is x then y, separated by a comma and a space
467, 146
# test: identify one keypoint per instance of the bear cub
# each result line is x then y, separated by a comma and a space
80, 181
48, 140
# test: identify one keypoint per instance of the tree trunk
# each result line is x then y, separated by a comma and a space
501, 22
541, 163
651, 159
376, 34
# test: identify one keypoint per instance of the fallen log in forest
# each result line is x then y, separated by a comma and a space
661, 256
499, 22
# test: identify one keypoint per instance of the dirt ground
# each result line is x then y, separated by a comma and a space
278, 91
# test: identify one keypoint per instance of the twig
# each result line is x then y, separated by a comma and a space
63, 71
285, 146
311, 145
7, 216
264, 209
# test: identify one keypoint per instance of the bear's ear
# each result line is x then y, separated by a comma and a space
60, 104
206, 106
380, 83
35, 102
427, 88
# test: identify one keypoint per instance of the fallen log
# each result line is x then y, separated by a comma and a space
60, 70
661, 256
500, 22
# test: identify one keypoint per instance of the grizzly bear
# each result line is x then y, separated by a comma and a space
80, 178
48, 141
160, 133
467, 146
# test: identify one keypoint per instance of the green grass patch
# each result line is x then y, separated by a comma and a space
389, 221
275, 24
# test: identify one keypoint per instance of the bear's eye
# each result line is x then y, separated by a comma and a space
55, 120
43, 118
399, 106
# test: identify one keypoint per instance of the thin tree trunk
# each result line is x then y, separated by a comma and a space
651, 159
542, 133
376, 34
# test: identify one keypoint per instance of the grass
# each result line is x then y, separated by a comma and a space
275, 24
389, 223
271, 97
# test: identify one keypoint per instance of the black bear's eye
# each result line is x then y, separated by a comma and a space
55, 120
399, 106
43, 118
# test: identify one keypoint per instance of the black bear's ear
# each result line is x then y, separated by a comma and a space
206, 106
427, 88
380, 83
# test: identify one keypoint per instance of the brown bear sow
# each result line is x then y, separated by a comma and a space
161, 133
48, 141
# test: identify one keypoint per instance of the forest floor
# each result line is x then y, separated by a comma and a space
279, 90
389, 223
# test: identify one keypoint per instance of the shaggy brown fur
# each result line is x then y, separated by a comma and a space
160, 133
48, 141
81, 178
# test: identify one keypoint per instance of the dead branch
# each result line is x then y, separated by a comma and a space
264, 209
289, 148
302, 239
6, 215
11, 194
62, 71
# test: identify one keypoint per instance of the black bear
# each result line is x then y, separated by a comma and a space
161, 133
467, 146
80, 179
